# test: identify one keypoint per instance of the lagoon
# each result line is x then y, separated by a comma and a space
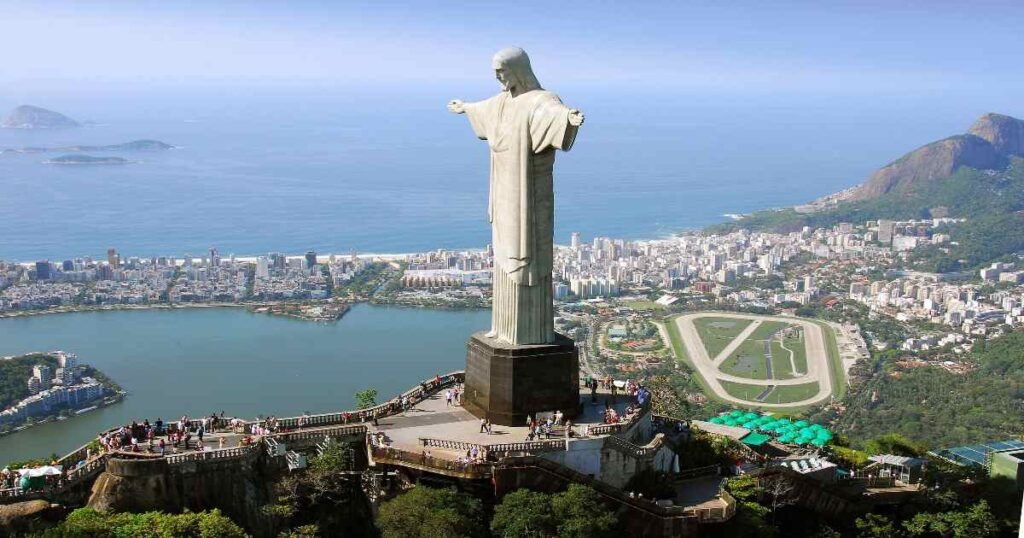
198, 361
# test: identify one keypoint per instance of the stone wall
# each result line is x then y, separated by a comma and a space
237, 486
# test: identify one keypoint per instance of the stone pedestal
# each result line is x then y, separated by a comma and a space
506, 382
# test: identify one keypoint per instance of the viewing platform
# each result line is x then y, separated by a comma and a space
612, 439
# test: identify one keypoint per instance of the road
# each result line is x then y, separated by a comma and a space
818, 367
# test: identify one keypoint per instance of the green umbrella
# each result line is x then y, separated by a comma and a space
729, 422
801, 423
785, 421
825, 434
750, 425
786, 438
817, 427
736, 413
806, 432
751, 416
819, 442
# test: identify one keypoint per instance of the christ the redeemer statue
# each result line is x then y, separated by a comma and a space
523, 125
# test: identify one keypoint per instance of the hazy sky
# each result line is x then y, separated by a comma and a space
757, 46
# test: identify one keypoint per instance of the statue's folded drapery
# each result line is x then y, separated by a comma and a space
523, 133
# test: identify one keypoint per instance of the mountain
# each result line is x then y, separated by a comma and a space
988, 145
32, 117
1006, 134
978, 176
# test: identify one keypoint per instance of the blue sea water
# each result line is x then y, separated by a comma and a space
339, 170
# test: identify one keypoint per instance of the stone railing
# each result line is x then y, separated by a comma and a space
698, 472
497, 449
527, 447
393, 406
72, 477
305, 435
210, 455
395, 456
619, 427
715, 514
637, 451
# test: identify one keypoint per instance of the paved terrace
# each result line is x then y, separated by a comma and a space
448, 432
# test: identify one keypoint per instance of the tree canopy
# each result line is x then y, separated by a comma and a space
425, 512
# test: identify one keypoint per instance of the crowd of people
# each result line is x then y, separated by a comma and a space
161, 437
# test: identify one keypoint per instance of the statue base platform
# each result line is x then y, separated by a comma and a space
506, 382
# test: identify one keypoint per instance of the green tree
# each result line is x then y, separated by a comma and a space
86, 522
894, 443
366, 398
325, 498
974, 522
751, 521
524, 513
425, 512
875, 526
581, 514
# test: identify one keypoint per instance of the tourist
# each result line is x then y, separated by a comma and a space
488, 428
483, 425
448, 398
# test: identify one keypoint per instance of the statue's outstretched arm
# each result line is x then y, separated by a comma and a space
456, 106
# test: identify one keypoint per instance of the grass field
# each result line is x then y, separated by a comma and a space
643, 305
749, 359
742, 391
747, 363
782, 368
716, 333
799, 349
791, 393
767, 329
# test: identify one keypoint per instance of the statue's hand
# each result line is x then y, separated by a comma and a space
456, 106
575, 118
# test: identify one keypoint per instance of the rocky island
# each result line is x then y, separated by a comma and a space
33, 117
86, 159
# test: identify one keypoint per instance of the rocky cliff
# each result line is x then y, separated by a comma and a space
1006, 134
33, 117
239, 487
988, 145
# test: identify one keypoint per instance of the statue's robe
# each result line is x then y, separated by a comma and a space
523, 133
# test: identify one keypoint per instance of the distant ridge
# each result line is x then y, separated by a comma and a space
33, 117
987, 145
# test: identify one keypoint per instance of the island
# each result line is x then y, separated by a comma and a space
325, 312
86, 159
33, 117
40, 387
134, 145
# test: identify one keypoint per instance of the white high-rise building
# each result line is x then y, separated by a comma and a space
575, 241
262, 267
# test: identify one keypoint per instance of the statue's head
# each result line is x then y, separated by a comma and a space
513, 71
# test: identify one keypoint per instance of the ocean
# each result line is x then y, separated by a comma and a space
336, 170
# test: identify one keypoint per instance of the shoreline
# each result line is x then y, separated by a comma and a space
189, 306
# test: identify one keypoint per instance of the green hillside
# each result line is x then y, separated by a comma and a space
14, 374
990, 200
